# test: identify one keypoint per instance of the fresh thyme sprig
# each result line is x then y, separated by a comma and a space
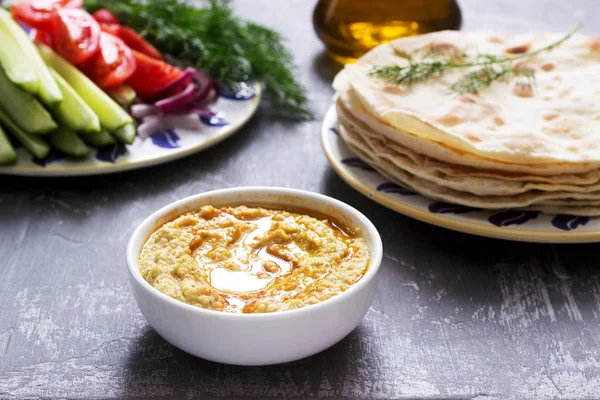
488, 68
212, 39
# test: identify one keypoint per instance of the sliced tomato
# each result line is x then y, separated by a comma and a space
112, 64
75, 34
113, 29
137, 42
42, 36
39, 13
151, 76
104, 16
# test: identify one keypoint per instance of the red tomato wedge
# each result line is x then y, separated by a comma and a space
137, 42
112, 64
104, 16
43, 37
39, 13
75, 34
113, 29
151, 76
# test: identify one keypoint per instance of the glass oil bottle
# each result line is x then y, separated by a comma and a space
350, 28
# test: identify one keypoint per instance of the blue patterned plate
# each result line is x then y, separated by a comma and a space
526, 226
232, 111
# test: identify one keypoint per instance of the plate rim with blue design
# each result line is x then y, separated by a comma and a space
516, 225
231, 113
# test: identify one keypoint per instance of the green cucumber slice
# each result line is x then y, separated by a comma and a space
7, 152
23, 108
35, 144
73, 112
18, 68
68, 142
111, 115
48, 90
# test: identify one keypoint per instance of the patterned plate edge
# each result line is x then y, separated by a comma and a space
448, 220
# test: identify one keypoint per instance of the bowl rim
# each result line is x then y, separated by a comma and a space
375, 245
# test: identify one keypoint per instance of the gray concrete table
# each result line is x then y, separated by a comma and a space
455, 316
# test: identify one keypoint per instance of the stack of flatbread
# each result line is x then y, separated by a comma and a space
515, 144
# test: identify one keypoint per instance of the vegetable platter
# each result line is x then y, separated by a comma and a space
84, 93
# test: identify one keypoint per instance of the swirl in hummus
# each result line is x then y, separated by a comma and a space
252, 259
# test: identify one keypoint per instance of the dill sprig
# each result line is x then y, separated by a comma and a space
487, 68
483, 77
212, 39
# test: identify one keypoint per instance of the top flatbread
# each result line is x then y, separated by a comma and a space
555, 121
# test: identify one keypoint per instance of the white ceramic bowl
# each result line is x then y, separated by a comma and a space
256, 339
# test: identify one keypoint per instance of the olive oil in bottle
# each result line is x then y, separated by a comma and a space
350, 28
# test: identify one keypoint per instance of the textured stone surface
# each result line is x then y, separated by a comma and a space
455, 316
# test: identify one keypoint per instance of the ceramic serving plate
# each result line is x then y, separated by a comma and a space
232, 111
526, 226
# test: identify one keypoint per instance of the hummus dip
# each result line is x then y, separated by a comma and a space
253, 260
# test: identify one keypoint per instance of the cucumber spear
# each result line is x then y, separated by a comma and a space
48, 90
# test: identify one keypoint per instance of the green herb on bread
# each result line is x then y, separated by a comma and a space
486, 68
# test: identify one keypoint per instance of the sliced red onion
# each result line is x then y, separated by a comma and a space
178, 102
209, 90
201, 78
194, 90
149, 126
177, 85
208, 98
202, 92
140, 111
153, 124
